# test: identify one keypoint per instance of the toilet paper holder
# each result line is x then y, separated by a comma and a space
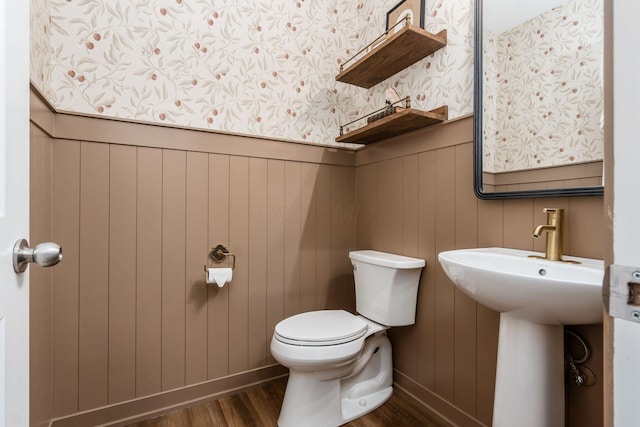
219, 253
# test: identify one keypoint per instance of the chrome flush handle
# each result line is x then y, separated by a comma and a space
44, 255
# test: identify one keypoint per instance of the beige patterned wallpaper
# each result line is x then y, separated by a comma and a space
490, 99
257, 67
544, 90
40, 55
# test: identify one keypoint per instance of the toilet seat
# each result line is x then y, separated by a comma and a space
320, 328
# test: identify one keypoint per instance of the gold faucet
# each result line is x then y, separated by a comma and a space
554, 229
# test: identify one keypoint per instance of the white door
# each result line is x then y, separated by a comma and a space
625, 205
14, 211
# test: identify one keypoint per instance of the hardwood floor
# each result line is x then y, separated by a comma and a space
261, 406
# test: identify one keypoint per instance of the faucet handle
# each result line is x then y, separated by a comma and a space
553, 212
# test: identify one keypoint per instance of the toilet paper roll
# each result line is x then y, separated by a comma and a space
219, 276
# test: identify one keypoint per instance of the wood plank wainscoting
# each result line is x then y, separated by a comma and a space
124, 328
136, 208
415, 197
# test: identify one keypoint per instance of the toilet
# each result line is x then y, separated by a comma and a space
340, 365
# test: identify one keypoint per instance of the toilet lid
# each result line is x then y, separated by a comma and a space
318, 328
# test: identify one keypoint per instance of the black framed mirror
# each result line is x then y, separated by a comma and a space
538, 98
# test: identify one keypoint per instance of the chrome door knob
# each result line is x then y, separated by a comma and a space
44, 255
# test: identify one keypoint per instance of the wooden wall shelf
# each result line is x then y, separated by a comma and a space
400, 50
395, 124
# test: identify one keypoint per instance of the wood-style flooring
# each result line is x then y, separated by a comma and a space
261, 406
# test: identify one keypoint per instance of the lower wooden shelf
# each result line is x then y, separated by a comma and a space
397, 123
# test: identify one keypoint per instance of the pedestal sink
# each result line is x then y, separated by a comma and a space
535, 297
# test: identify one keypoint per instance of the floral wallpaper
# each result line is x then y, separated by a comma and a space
547, 89
490, 99
256, 67
40, 28
446, 76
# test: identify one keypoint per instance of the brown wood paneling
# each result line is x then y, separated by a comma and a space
197, 223
374, 213
584, 227
292, 236
218, 298
157, 404
94, 276
349, 227
445, 291
275, 246
105, 130
415, 199
462, 367
259, 335
65, 208
122, 272
490, 220
390, 203
363, 205
239, 245
450, 414
174, 165
425, 314
149, 272
323, 236
466, 226
341, 281
585, 404
451, 133
308, 246
40, 112
406, 339
550, 177
591, 182
367, 206
466, 213
518, 224
410, 208
336, 233
40, 281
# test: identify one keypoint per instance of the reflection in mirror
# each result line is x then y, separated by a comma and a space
538, 98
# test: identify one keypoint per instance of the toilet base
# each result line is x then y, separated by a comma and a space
313, 401
355, 408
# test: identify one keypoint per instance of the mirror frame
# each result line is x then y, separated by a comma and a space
477, 136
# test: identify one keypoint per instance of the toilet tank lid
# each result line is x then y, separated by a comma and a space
385, 259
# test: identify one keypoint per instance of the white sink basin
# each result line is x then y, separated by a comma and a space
535, 297
541, 291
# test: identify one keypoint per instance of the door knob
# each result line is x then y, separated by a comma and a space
44, 254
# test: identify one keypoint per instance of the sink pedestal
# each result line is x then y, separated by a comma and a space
530, 374
535, 297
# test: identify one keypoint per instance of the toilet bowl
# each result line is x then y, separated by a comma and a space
340, 364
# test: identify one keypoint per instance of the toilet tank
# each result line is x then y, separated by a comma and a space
386, 286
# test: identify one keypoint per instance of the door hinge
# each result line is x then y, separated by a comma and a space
621, 292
